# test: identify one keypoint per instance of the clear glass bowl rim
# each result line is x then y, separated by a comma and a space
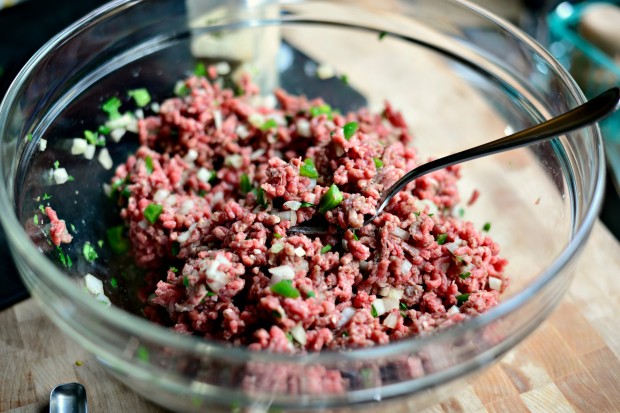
165, 337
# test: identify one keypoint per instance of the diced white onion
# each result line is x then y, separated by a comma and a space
344, 243
217, 198
155, 107
79, 146
60, 176
453, 310
405, 267
288, 216
256, 251
105, 159
391, 320
143, 224
42, 144
184, 236
339, 150
103, 299
277, 247
444, 266
203, 175
90, 152
139, 113
270, 101
107, 189
190, 156
363, 265
396, 293
117, 134
325, 71
179, 87
292, 205
303, 265
217, 279
299, 251
423, 203
384, 291
452, 246
378, 306
217, 118
311, 185
283, 272
257, 154
495, 283
186, 207
299, 334
171, 200
256, 119
242, 131
234, 160
346, 315
400, 233
303, 128
126, 121
222, 68
93, 284
161, 195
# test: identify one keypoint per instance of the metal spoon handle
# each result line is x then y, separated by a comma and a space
585, 114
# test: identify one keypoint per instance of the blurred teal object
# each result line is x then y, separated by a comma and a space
592, 68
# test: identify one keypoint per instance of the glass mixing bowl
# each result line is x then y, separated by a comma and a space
459, 75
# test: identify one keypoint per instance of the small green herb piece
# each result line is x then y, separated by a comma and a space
200, 69
42, 208
306, 205
269, 124
462, 298
118, 243
465, 275
276, 235
142, 353
70, 178
64, 259
245, 184
378, 162
349, 129
140, 96
181, 89
382, 35
29, 137
148, 162
486, 227
331, 199
210, 294
175, 248
89, 252
308, 169
403, 306
260, 197
285, 288
46, 197
310, 294
441, 239
355, 237
79, 363
104, 130
35, 219
344, 79
152, 212
323, 109
100, 243
113, 282
326, 248
56, 164
173, 269
276, 314
373, 311
186, 281
93, 138
111, 107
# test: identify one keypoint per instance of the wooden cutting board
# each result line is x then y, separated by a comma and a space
571, 362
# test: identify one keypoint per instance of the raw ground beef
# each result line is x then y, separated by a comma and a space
210, 194
58, 228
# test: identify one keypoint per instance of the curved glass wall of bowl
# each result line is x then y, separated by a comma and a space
540, 201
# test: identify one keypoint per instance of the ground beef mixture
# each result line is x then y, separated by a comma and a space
220, 177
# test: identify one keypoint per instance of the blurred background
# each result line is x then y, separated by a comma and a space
583, 35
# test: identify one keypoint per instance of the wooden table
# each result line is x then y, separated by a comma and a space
569, 364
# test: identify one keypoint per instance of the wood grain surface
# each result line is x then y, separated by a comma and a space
571, 363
